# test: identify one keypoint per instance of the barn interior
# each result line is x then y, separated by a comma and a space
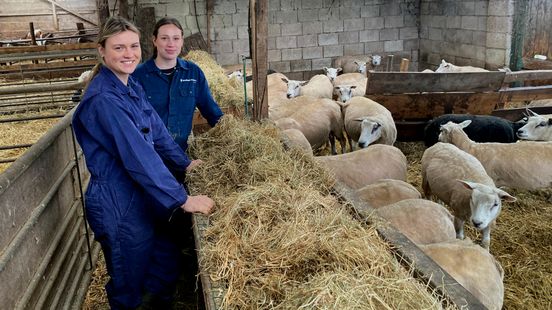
46, 45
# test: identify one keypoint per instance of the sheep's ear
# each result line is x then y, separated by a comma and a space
468, 184
504, 196
325, 69
285, 80
443, 62
465, 123
303, 83
353, 86
550, 121
339, 70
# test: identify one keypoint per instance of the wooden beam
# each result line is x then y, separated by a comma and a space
426, 106
54, 17
516, 114
528, 75
103, 10
526, 93
47, 55
417, 82
259, 56
35, 88
73, 13
145, 20
43, 48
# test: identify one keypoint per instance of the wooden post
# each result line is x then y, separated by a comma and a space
54, 17
404, 65
103, 10
390, 62
32, 32
145, 20
123, 8
258, 13
209, 8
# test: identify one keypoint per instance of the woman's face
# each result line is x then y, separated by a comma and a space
122, 53
168, 42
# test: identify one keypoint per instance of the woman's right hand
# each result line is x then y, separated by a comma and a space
198, 204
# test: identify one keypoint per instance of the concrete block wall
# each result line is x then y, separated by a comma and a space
304, 35
476, 33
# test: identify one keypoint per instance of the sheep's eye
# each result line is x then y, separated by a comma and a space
542, 124
494, 205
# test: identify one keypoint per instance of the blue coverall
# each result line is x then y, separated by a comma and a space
176, 103
131, 191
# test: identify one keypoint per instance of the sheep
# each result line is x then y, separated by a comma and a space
447, 67
420, 220
387, 191
471, 266
84, 78
318, 86
319, 120
368, 122
331, 73
460, 181
522, 165
295, 138
348, 85
484, 128
537, 128
276, 88
237, 74
350, 64
366, 166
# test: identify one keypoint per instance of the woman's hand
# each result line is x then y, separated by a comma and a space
193, 164
198, 204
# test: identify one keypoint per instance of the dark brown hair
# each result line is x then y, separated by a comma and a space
162, 22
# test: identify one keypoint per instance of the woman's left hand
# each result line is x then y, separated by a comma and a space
193, 164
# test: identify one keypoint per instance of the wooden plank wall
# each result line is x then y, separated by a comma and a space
538, 29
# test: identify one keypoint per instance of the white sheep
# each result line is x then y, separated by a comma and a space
295, 138
537, 128
447, 67
319, 86
319, 120
237, 75
420, 220
460, 181
276, 89
349, 85
472, 267
332, 73
387, 191
523, 165
366, 166
368, 122
349, 64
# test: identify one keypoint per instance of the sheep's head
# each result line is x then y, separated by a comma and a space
447, 130
332, 73
370, 131
444, 67
294, 87
537, 127
361, 66
485, 203
344, 92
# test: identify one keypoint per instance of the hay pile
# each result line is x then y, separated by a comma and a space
279, 240
226, 92
24, 132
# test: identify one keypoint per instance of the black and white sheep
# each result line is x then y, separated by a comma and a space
483, 128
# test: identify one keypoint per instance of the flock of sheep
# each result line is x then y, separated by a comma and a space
466, 161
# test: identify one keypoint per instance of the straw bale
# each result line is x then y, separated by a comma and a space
226, 92
279, 239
